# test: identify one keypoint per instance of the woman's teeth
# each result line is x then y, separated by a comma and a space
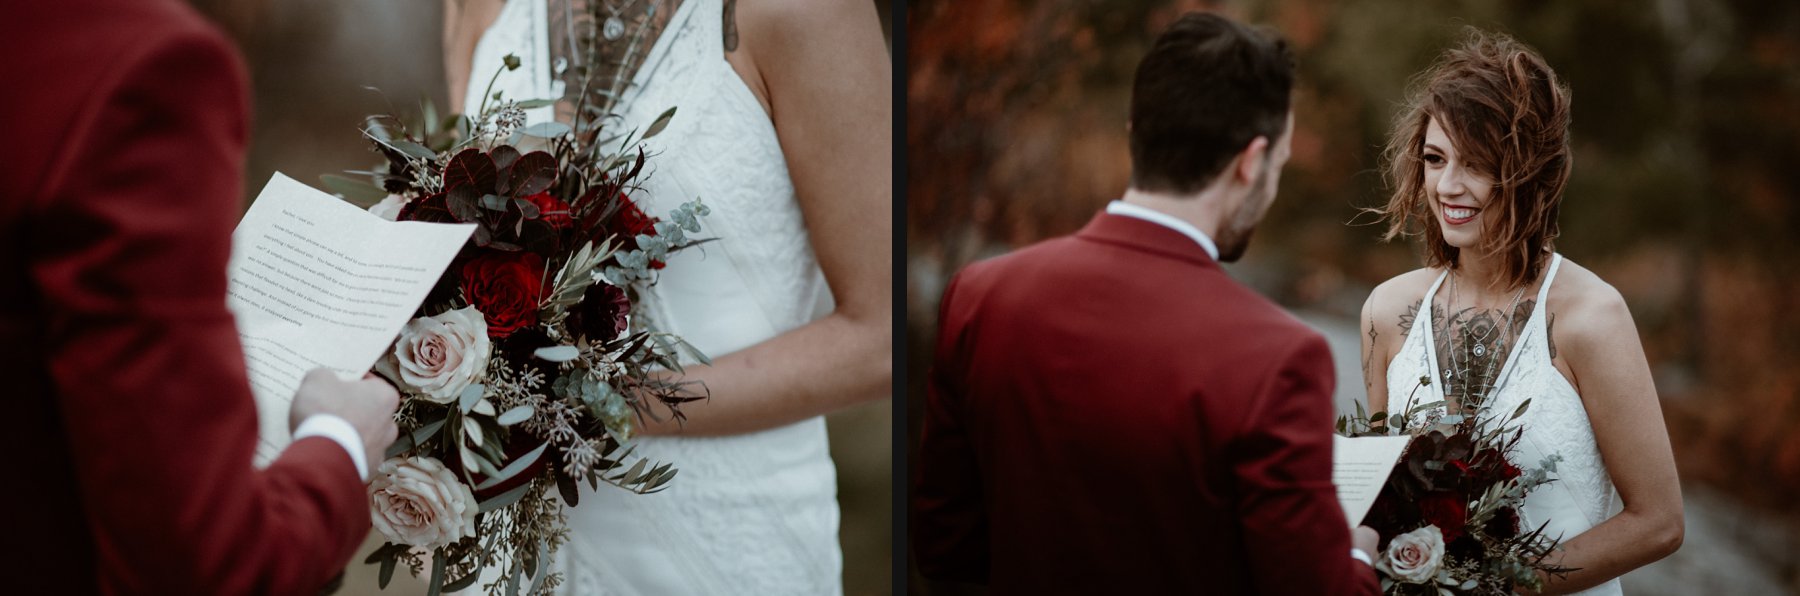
1459, 212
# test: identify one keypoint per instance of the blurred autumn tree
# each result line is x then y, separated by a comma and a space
1684, 194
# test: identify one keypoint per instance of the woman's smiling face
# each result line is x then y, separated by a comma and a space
1458, 192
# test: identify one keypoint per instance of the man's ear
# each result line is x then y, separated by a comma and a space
1249, 162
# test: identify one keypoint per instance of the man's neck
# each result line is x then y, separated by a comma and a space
1201, 210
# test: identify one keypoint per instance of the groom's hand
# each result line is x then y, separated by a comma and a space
1365, 539
367, 404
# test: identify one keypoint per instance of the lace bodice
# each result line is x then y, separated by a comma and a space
1556, 423
747, 514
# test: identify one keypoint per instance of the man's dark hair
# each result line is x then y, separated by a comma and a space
1206, 89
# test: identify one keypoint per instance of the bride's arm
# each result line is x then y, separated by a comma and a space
828, 87
1601, 346
464, 21
1374, 356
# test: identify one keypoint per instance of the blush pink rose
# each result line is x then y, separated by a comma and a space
418, 501
1414, 557
437, 357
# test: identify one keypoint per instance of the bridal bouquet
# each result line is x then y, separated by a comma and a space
1450, 511
525, 371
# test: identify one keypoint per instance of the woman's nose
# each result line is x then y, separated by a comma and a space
1450, 183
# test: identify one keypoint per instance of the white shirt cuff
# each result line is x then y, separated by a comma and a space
336, 428
1358, 554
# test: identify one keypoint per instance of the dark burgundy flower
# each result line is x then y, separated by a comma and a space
1465, 548
505, 287
601, 314
552, 210
1461, 466
1504, 525
1447, 510
1508, 471
1428, 458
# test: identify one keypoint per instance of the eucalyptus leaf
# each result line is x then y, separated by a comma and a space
438, 560
417, 438
532, 173
546, 130
528, 209
469, 461
359, 192
631, 476
414, 149
385, 551
513, 579
473, 430
531, 104
515, 415
543, 564
661, 123
1521, 411
463, 582
430, 119
558, 353
568, 488
470, 395
487, 469
387, 572
513, 468
506, 498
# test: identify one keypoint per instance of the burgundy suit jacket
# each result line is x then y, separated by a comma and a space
1111, 413
129, 423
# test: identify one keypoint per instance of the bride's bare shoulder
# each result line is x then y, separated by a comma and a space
1585, 309
1391, 307
1400, 294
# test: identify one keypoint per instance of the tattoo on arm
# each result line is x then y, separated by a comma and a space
730, 26
1369, 360
1406, 320
1550, 333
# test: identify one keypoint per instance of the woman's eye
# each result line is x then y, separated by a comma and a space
1434, 159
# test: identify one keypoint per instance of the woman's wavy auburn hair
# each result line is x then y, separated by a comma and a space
1508, 115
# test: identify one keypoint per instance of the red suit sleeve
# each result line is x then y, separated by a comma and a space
1295, 536
145, 358
949, 516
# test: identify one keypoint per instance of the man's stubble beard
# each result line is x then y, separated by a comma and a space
1234, 236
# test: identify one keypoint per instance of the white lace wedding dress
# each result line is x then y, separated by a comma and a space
1555, 423
747, 514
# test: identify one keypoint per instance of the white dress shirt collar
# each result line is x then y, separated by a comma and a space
1169, 221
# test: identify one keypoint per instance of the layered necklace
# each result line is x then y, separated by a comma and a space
1478, 352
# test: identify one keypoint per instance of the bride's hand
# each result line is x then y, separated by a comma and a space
823, 73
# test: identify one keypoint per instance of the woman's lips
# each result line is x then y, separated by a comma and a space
1457, 215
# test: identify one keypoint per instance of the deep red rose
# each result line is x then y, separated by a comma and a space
552, 210
1447, 510
630, 222
505, 287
